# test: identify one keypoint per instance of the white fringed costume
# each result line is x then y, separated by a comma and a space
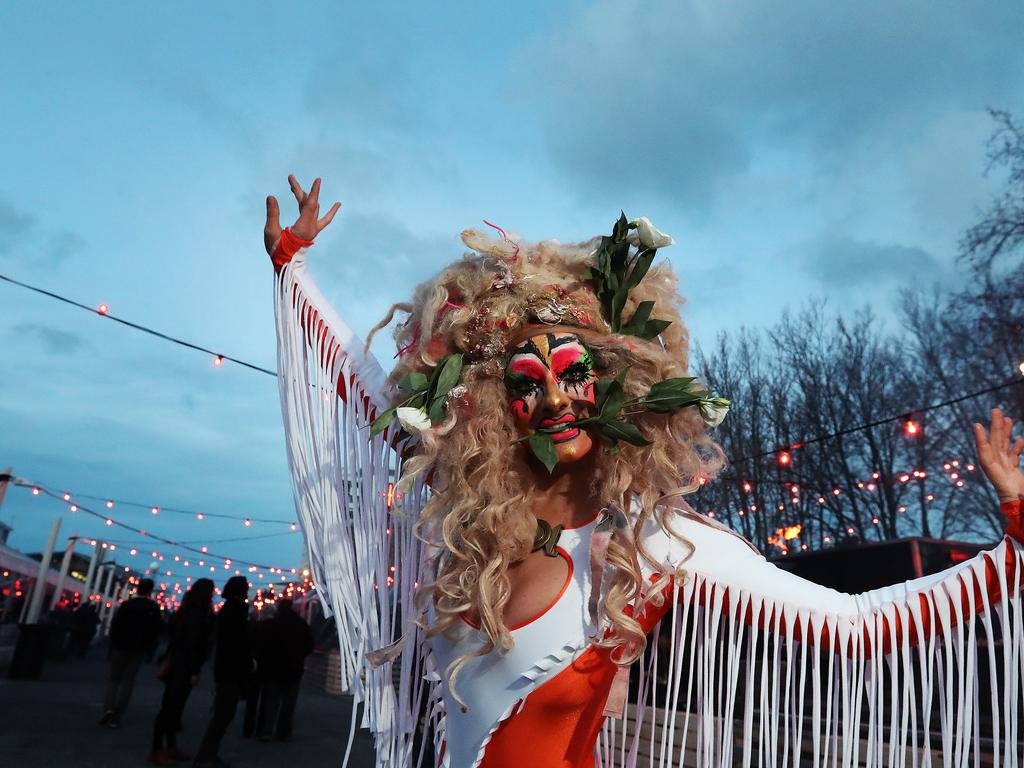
764, 668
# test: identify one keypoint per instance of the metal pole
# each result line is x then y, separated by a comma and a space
39, 592
94, 563
108, 601
102, 578
65, 566
6, 477
28, 599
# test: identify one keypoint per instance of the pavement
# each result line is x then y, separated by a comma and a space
54, 722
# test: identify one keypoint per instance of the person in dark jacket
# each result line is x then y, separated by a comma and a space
232, 665
179, 668
288, 641
83, 628
254, 686
134, 633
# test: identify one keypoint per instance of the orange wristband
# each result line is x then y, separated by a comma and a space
286, 247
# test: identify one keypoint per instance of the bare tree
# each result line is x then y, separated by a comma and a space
911, 471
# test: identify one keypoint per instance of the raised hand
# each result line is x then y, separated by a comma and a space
999, 456
308, 225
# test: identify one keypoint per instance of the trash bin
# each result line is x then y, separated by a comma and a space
29, 653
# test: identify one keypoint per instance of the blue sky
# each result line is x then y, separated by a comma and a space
795, 151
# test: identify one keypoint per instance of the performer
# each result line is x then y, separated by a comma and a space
542, 424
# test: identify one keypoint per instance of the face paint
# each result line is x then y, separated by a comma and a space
550, 380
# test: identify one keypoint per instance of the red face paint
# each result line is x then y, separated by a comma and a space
550, 380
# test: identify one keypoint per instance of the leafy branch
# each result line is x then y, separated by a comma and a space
428, 396
615, 273
612, 410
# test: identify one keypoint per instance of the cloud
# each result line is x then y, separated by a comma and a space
18, 228
678, 97
53, 340
13, 226
64, 244
850, 263
195, 92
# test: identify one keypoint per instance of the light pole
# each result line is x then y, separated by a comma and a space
91, 575
65, 566
39, 590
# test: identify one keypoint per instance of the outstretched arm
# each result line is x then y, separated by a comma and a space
303, 313
731, 575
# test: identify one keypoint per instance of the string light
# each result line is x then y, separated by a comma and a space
103, 309
160, 509
911, 428
218, 360
136, 326
784, 458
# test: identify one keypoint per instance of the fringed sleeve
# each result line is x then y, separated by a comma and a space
364, 559
767, 668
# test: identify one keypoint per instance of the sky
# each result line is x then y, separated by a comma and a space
796, 152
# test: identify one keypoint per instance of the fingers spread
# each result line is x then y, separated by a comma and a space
273, 212
981, 439
300, 194
328, 217
314, 192
996, 429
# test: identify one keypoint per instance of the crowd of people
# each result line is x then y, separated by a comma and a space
258, 659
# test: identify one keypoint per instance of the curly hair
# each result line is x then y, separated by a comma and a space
479, 512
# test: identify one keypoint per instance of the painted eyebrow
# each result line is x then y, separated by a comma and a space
570, 339
528, 348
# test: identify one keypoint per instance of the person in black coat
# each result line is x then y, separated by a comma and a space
179, 668
288, 641
134, 633
232, 665
83, 627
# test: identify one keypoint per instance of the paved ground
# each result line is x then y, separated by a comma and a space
53, 721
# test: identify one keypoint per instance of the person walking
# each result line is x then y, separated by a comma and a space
134, 633
83, 628
232, 665
179, 669
289, 641
256, 682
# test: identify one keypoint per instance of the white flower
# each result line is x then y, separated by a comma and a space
714, 411
650, 236
413, 420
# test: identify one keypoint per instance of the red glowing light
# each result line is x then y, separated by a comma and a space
103, 309
218, 360
911, 428
391, 495
35, 491
784, 458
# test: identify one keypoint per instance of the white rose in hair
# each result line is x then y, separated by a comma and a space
650, 236
714, 411
413, 420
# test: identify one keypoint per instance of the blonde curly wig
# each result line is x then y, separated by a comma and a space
479, 511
